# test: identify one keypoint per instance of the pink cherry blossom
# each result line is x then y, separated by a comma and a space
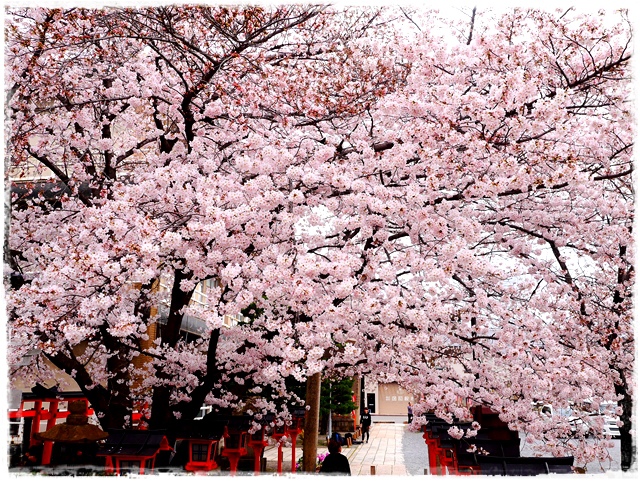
395, 195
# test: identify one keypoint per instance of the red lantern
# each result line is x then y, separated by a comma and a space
202, 455
235, 444
257, 442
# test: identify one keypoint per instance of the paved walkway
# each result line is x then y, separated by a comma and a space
383, 451
390, 442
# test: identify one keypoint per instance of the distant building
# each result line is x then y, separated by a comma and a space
387, 398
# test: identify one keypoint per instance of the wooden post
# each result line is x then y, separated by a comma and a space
294, 440
279, 457
311, 420
35, 424
373, 470
234, 457
51, 422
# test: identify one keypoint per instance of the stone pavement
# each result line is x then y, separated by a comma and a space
383, 451
390, 442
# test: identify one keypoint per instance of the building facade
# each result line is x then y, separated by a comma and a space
387, 398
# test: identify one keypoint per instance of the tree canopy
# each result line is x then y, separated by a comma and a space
451, 213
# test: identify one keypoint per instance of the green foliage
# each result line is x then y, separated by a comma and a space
336, 396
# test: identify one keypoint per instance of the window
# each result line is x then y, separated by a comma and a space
199, 297
232, 320
199, 452
14, 428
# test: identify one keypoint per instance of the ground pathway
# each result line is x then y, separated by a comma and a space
389, 439
393, 450
383, 452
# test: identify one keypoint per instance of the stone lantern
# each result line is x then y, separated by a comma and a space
75, 433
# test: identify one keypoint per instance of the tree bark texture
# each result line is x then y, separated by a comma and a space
311, 420
627, 450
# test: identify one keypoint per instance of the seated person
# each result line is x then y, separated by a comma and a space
348, 438
339, 439
335, 462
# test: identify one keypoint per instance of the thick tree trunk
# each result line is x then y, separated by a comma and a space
311, 421
120, 405
622, 389
161, 413
112, 403
626, 439
190, 409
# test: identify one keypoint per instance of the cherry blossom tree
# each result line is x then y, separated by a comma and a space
176, 138
501, 225
455, 215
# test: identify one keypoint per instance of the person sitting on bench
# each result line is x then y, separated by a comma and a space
338, 438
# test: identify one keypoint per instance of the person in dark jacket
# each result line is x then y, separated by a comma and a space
335, 462
365, 423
